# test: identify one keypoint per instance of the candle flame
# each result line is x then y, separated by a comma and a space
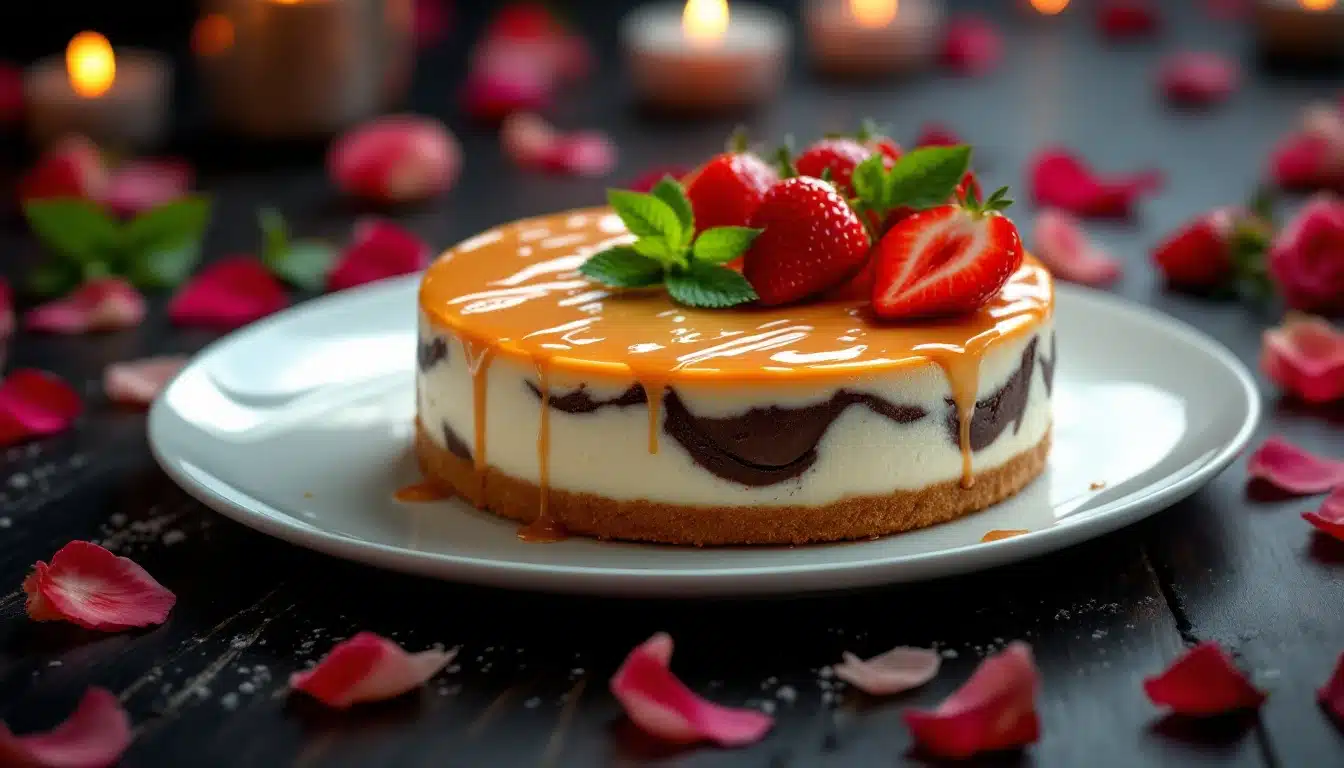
1317, 5
873, 14
90, 64
705, 21
1050, 7
212, 35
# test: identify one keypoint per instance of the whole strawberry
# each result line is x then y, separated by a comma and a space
834, 157
1199, 254
811, 241
727, 189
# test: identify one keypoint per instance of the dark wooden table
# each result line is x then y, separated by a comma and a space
209, 687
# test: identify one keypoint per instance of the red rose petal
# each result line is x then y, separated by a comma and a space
11, 94
583, 153
1293, 469
395, 159
897, 670
378, 250
1305, 357
6, 311
505, 78
35, 404
528, 139
227, 294
656, 701
532, 142
971, 45
104, 304
72, 167
1329, 519
1307, 161
1061, 180
1062, 245
89, 586
1126, 19
1202, 682
94, 736
1198, 79
431, 22
145, 184
367, 667
1331, 695
994, 710
525, 21
937, 135
646, 181
138, 382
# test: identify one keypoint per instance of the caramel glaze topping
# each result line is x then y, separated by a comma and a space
516, 291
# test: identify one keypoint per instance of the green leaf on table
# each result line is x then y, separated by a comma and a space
622, 267
721, 245
164, 266
305, 265
77, 230
926, 177
163, 245
274, 235
645, 215
670, 191
54, 278
708, 286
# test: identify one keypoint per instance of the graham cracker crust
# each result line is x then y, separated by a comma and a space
855, 517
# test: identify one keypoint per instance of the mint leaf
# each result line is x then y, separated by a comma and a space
622, 267
927, 176
163, 245
164, 267
78, 230
645, 215
305, 265
870, 182
274, 236
709, 287
661, 251
54, 278
670, 191
721, 245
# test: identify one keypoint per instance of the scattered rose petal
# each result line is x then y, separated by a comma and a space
584, 153
1062, 245
367, 667
379, 249
227, 294
431, 22
994, 710
395, 159
94, 736
1127, 19
1198, 79
1306, 257
35, 404
89, 586
534, 28
996, 535
1060, 179
1305, 357
1331, 695
145, 184
6, 311
646, 181
1307, 161
11, 94
1329, 519
72, 167
138, 382
937, 135
656, 701
103, 304
1292, 469
510, 80
971, 45
535, 144
1202, 682
897, 670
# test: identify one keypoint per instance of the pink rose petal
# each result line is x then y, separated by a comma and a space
1061, 180
1307, 161
227, 294
103, 304
1329, 519
937, 135
533, 143
94, 736
11, 94
897, 670
138, 382
1294, 470
368, 667
89, 586
1331, 695
1305, 357
1062, 245
528, 139
1306, 257
378, 250
35, 404
1198, 79
1203, 682
145, 184
994, 710
395, 159
505, 78
584, 153
1127, 19
971, 45
656, 701
6, 311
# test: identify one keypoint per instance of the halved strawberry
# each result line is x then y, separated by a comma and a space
839, 156
725, 191
947, 260
811, 241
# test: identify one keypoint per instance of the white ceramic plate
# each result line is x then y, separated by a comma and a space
300, 426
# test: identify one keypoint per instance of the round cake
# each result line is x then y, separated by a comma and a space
572, 407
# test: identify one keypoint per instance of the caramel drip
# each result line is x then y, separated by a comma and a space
545, 527
421, 491
653, 395
479, 356
962, 368
996, 535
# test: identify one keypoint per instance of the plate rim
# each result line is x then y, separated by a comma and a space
748, 580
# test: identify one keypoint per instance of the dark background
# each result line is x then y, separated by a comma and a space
207, 688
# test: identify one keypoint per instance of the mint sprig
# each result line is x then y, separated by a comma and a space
303, 264
667, 250
922, 178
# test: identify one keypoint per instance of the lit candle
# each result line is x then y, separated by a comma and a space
304, 68
116, 98
705, 55
1049, 7
1305, 29
871, 37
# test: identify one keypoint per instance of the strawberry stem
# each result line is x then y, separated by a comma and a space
740, 141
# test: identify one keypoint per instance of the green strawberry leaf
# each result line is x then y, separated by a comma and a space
670, 191
54, 278
926, 177
645, 215
721, 245
709, 286
305, 264
870, 183
77, 230
622, 267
